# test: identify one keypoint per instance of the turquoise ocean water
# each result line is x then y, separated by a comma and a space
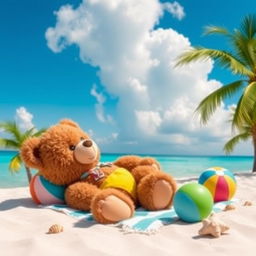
178, 166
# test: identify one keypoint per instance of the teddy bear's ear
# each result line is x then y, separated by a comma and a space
30, 153
69, 122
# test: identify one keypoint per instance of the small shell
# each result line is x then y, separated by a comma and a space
247, 203
54, 229
229, 207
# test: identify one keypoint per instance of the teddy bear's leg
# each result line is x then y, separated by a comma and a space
80, 194
141, 171
128, 162
112, 205
155, 191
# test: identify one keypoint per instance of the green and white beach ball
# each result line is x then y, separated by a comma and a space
193, 202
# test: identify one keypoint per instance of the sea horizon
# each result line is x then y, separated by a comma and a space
154, 154
179, 166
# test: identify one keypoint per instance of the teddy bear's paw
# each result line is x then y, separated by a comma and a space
162, 194
156, 191
112, 207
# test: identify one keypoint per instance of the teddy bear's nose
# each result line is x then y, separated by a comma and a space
87, 143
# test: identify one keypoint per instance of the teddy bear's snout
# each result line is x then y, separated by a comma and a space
86, 152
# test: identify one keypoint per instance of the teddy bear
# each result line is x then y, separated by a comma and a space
65, 155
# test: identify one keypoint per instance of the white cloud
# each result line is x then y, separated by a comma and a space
148, 121
175, 9
100, 111
108, 139
90, 133
114, 135
156, 101
24, 118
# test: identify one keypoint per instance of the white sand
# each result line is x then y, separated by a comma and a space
23, 229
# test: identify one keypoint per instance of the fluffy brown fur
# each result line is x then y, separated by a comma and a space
58, 155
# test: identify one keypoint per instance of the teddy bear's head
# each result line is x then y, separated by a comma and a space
62, 154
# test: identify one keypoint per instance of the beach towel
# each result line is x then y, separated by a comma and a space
145, 222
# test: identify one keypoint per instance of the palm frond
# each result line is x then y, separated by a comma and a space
252, 51
236, 121
12, 128
32, 133
39, 132
254, 113
224, 59
9, 143
244, 110
230, 145
209, 30
209, 104
15, 163
248, 26
27, 134
244, 48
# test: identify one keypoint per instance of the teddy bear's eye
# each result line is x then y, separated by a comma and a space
72, 147
82, 138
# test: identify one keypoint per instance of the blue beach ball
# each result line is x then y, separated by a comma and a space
193, 202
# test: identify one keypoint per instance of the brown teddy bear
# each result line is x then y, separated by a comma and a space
66, 155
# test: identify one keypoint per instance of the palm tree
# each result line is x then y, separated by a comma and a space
15, 141
241, 61
244, 134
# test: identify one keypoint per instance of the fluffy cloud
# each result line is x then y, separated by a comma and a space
107, 140
100, 111
136, 62
24, 119
175, 9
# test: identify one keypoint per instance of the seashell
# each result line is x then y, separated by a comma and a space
56, 228
229, 207
247, 203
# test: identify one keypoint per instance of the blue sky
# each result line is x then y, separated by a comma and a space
52, 85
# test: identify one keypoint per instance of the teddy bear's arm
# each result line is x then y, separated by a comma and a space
80, 194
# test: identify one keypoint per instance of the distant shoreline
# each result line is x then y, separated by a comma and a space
151, 154
8, 150
176, 155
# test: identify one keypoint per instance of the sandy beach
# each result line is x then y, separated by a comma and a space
24, 227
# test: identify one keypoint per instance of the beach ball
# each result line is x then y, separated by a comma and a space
45, 192
193, 202
220, 182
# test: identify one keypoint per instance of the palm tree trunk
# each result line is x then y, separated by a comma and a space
29, 175
254, 147
254, 161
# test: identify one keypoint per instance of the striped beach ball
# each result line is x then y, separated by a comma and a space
220, 182
193, 202
45, 192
